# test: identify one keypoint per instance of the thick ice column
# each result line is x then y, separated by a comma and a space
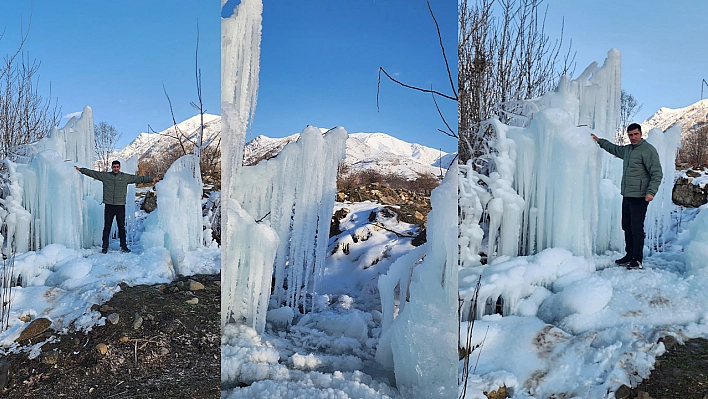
658, 220
240, 64
240, 58
424, 370
246, 282
179, 208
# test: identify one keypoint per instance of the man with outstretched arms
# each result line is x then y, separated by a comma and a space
115, 187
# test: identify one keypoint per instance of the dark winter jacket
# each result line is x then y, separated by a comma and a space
115, 186
641, 171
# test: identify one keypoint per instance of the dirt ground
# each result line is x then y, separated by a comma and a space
173, 353
681, 373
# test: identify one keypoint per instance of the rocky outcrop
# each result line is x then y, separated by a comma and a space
687, 194
411, 207
150, 202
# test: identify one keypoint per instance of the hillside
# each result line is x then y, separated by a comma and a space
687, 117
365, 151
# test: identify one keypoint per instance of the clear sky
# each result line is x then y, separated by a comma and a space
319, 63
115, 55
663, 45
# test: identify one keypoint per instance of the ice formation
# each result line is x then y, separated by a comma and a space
424, 370
240, 57
295, 193
552, 187
275, 215
177, 223
58, 205
658, 219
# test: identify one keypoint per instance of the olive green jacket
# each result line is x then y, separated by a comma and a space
115, 186
641, 170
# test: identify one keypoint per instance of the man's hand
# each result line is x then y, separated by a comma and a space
77, 168
649, 197
597, 139
155, 181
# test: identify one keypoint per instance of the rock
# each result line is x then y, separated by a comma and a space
693, 173
623, 392
106, 308
137, 322
669, 342
102, 348
124, 340
341, 197
113, 318
49, 358
164, 351
643, 395
192, 301
195, 285
34, 328
685, 193
498, 394
4, 373
25, 318
150, 202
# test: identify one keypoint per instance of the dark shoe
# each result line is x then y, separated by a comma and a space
125, 250
624, 261
635, 264
104, 251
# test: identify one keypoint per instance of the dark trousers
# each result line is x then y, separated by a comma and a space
111, 211
633, 212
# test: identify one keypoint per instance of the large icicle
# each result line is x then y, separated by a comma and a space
246, 246
424, 370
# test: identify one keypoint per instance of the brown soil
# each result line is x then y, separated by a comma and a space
682, 372
175, 353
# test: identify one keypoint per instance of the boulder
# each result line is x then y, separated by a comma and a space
150, 202
687, 194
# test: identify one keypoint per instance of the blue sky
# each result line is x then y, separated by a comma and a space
115, 55
319, 63
662, 44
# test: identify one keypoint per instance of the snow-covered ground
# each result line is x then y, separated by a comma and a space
62, 284
328, 353
580, 327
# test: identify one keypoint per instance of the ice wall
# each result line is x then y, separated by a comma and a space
423, 370
551, 186
52, 193
294, 192
658, 219
177, 222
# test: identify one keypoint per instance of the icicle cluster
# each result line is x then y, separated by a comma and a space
658, 219
295, 193
552, 186
52, 192
423, 370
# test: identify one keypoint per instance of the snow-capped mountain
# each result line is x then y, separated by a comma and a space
379, 151
687, 117
154, 143
382, 152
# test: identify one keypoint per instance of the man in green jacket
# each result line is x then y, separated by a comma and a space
641, 176
115, 188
